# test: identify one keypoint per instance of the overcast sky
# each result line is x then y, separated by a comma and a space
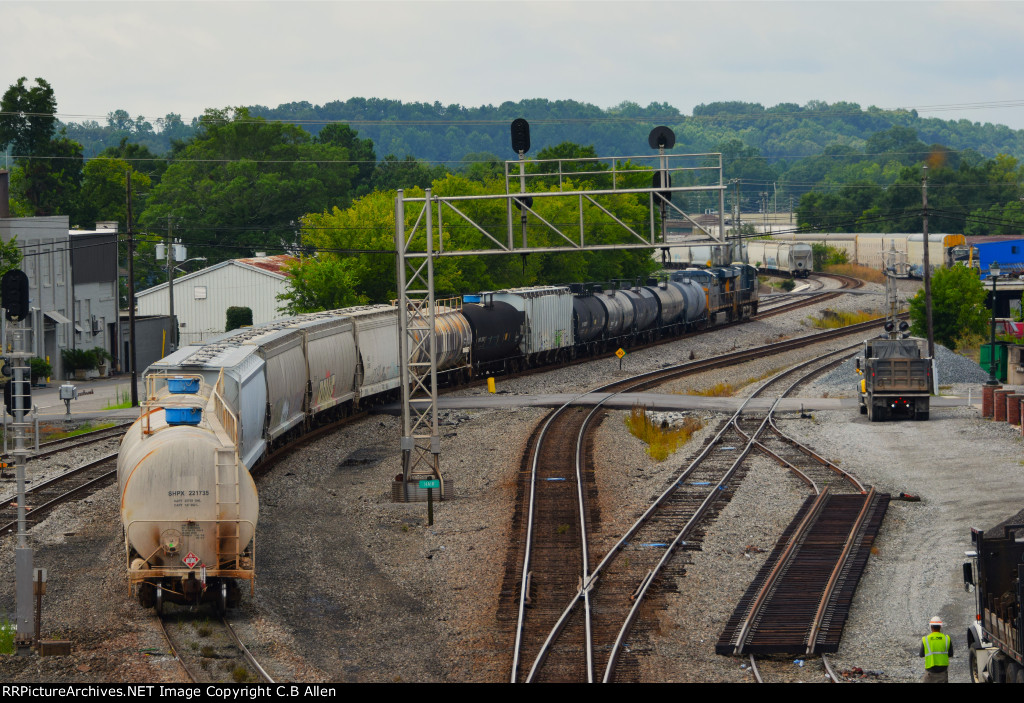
152, 58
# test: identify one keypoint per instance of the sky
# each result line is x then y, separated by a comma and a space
955, 60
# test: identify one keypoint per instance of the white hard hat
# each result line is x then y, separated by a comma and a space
936, 622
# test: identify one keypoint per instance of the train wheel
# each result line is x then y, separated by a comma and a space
158, 600
147, 595
1011, 672
222, 599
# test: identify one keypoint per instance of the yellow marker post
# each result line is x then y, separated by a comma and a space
621, 353
490, 385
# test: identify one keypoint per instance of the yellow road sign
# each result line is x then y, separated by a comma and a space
620, 353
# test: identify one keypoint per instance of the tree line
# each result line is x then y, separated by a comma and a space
240, 180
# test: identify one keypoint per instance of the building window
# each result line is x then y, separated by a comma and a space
199, 293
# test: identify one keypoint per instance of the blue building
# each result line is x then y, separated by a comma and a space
1005, 250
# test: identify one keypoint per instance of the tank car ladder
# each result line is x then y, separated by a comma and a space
229, 509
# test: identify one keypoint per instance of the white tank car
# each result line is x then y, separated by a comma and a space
188, 504
791, 258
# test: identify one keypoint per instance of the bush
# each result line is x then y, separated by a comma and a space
39, 369
238, 317
75, 359
102, 355
788, 285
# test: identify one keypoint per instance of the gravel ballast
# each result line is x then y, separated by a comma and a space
352, 587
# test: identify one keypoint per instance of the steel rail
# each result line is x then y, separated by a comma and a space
795, 540
829, 671
841, 563
52, 503
587, 581
170, 646
246, 653
588, 584
669, 553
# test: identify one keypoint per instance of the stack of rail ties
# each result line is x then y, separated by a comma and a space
811, 587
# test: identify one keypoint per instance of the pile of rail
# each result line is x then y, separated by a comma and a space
799, 601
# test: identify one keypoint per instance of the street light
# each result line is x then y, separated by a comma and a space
993, 273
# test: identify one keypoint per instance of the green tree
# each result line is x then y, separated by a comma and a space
242, 184
958, 306
103, 191
49, 173
360, 152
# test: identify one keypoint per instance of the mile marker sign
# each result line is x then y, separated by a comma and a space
432, 483
620, 353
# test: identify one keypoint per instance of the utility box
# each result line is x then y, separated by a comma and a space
985, 357
68, 391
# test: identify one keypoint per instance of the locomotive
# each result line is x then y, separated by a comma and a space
213, 410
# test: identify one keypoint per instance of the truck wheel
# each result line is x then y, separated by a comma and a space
921, 415
1011, 672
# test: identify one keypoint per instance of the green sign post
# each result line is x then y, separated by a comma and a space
430, 485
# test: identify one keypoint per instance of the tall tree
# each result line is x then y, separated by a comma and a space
958, 306
49, 167
242, 184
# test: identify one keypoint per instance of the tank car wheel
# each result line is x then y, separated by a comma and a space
158, 601
147, 595
222, 599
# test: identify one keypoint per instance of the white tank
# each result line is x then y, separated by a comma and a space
168, 486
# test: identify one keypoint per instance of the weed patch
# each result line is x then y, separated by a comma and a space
661, 441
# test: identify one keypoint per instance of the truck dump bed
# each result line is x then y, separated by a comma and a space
999, 587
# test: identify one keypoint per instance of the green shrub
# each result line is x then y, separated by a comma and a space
39, 369
238, 317
75, 359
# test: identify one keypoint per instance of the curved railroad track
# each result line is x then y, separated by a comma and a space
40, 499
558, 497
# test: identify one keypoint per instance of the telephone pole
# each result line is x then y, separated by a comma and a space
927, 271
131, 291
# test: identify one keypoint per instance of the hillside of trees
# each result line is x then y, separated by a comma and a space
297, 179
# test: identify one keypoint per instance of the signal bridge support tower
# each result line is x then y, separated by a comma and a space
426, 230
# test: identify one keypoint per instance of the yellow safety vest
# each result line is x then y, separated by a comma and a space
936, 649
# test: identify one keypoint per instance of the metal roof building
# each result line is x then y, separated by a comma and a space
201, 299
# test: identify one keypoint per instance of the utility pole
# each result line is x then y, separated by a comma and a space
131, 291
927, 271
170, 284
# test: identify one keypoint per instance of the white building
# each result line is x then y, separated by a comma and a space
201, 299
72, 278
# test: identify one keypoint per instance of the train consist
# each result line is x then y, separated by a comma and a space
214, 410
872, 249
794, 259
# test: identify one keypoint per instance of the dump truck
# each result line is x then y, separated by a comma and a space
896, 378
993, 573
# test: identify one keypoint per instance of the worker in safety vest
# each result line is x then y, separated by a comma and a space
936, 648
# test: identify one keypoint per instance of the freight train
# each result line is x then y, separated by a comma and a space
794, 259
215, 409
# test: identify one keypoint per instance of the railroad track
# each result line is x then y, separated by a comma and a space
799, 601
44, 497
557, 564
209, 650
81, 440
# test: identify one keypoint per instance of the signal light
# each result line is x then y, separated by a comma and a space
661, 138
656, 182
520, 136
26, 392
14, 294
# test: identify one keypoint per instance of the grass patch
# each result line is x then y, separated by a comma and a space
864, 273
49, 433
830, 319
726, 390
241, 675
661, 441
7, 632
124, 400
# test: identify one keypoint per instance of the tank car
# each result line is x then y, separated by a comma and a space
497, 330
790, 258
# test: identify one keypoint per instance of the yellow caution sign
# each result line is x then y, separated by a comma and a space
620, 353
490, 385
